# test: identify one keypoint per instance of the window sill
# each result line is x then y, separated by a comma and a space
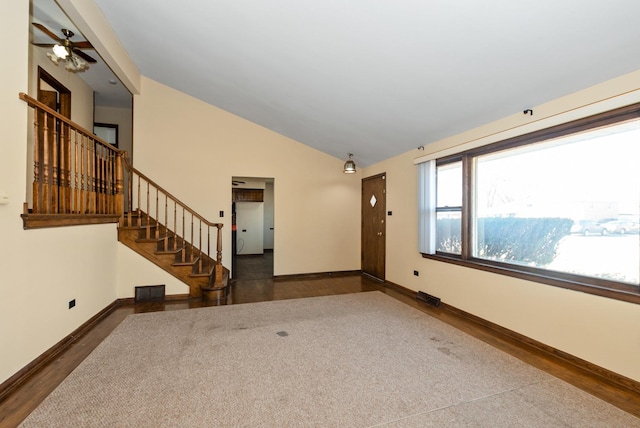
41, 221
598, 287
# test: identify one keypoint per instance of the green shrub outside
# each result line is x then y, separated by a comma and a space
529, 241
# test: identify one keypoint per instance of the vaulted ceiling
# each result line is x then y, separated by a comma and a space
377, 78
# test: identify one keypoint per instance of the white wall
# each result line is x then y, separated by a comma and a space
42, 269
600, 330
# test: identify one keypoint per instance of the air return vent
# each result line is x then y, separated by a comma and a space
428, 298
150, 293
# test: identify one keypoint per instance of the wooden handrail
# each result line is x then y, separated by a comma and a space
157, 186
35, 103
80, 179
75, 173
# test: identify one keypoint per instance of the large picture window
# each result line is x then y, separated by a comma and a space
559, 206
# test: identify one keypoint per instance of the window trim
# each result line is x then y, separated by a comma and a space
596, 286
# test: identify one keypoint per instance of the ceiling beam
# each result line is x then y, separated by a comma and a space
91, 22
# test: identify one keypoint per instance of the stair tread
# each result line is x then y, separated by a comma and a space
169, 252
154, 240
186, 263
164, 254
199, 275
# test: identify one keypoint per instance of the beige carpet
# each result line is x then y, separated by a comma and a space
357, 360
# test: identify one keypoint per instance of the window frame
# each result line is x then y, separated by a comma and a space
455, 209
591, 285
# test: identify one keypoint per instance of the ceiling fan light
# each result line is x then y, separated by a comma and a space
349, 166
76, 64
55, 59
60, 51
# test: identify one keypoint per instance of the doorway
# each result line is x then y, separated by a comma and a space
51, 161
252, 231
53, 93
373, 233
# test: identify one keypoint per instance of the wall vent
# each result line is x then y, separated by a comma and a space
150, 293
428, 298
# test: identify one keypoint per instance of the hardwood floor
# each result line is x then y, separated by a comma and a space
254, 283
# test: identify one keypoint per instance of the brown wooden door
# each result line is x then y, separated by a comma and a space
374, 205
51, 190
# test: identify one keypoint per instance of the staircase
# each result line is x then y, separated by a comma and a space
155, 242
81, 179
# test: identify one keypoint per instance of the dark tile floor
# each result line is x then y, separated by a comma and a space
259, 266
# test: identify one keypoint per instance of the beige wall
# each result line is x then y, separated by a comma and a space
121, 117
134, 270
599, 330
81, 99
42, 269
317, 222
81, 93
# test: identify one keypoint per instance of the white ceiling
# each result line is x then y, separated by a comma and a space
47, 13
377, 77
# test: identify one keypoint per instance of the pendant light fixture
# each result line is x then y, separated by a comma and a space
349, 165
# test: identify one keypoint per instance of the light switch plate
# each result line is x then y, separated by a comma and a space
4, 197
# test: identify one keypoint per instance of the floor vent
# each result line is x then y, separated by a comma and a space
428, 298
150, 293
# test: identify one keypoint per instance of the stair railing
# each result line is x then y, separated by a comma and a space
78, 179
166, 219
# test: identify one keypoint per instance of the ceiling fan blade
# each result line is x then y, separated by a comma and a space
82, 45
44, 45
47, 31
84, 56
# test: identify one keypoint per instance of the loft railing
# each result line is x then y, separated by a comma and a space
170, 222
78, 179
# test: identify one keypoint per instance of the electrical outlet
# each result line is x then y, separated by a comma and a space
416, 273
72, 303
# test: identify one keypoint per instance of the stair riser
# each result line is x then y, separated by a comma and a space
170, 253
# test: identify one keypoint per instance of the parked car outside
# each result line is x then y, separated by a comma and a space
621, 226
591, 227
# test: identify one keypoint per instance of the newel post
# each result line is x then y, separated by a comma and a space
218, 269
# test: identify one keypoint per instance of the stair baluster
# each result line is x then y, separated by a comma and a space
80, 179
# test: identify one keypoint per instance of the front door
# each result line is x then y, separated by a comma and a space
374, 205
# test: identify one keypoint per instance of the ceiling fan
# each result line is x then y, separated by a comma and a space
66, 49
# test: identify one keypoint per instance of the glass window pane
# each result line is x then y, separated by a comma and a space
570, 205
449, 195
448, 232
449, 185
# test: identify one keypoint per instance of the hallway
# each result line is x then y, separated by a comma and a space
253, 266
